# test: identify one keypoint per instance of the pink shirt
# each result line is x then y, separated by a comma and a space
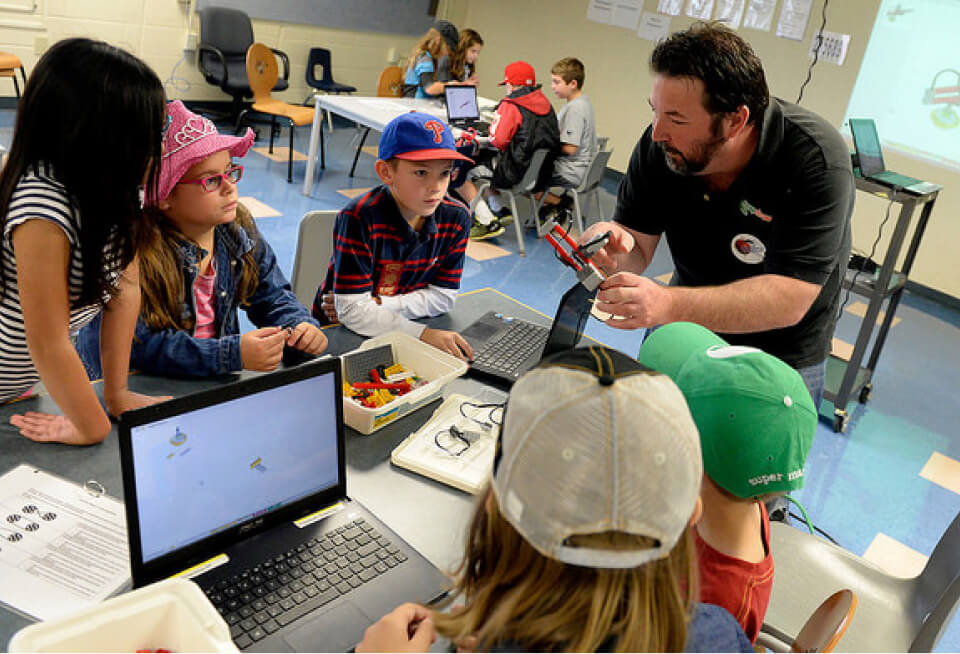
203, 294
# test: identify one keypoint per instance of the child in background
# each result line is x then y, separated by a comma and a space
578, 134
202, 259
582, 543
756, 423
88, 129
424, 78
464, 65
399, 248
524, 122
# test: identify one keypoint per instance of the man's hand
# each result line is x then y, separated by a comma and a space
450, 342
262, 349
307, 338
634, 301
329, 307
621, 243
408, 628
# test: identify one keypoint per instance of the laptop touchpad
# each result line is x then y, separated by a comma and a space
336, 630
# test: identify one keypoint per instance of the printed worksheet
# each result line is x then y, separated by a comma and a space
63, 547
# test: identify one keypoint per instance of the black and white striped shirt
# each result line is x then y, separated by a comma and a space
39, 196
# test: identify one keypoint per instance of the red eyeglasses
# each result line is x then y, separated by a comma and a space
213, 182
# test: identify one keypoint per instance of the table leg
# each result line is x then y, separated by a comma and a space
314, 143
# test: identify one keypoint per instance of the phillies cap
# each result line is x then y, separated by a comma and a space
519, 73
592, 442
754, 412
417, 136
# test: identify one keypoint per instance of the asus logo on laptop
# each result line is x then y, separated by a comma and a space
250, 526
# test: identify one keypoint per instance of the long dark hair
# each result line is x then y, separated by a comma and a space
93, 113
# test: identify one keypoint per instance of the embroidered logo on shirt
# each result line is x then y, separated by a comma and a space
748, 248
748, 209
389, 279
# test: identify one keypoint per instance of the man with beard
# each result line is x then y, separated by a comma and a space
754, 195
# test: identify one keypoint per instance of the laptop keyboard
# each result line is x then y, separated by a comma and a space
507, 353
260, 600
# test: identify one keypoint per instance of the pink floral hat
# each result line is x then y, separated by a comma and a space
191, 138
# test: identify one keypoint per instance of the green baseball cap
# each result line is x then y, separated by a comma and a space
753, 411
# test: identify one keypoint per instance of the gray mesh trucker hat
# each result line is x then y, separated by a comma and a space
591, 442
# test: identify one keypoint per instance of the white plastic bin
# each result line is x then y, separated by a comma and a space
172, 614
424, 360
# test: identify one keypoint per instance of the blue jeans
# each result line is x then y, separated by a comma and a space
815, 377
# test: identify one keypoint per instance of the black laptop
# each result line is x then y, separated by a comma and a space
463, 109
866, 141
243, 488
506, 347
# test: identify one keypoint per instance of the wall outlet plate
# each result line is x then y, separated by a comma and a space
190, 45
833, 47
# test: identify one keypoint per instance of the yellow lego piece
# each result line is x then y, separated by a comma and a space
394, 369
350, 391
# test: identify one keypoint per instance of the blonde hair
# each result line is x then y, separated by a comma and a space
516, 596
569, 69
161, 271
468, 39
431, 42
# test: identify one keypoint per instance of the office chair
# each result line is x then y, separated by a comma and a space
9, 63
822, 630
312, 257
893, 614
321, 57
262, 71
225, 37
525, 187
589, 185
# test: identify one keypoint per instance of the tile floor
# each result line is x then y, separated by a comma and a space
887, 489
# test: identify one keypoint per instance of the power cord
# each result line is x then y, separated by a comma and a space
176, 83
816, 51
873, 250
805, 519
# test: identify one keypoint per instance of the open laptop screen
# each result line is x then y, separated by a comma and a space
203, 471
461, 102
570, 320
866, 142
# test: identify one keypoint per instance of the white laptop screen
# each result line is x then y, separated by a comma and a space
462, 102
206, 470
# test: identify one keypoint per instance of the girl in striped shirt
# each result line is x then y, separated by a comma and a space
88, 129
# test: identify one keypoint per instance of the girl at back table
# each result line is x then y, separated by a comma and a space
202, 259
464, 66
425, 77
87, 135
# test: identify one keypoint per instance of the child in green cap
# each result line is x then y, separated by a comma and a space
756, 423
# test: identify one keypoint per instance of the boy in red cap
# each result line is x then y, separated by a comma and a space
399, 248
525, 122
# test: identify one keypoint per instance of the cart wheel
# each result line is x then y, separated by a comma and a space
840, 419
865, 393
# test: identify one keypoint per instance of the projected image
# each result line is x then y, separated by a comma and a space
944, 115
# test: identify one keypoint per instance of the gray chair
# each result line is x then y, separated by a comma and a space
590, 184
893, 614
524, 187
822, 630
312, 257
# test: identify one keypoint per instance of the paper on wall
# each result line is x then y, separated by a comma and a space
793, 19
670, 7
729, 12
653, 27
600, 11
626, 13
759, 14
700, 9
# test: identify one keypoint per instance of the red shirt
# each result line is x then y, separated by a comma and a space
740, 587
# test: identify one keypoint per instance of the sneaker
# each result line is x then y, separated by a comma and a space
482, 214
481, 232
504, 216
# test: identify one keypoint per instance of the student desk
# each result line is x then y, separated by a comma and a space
370, 113
431, 516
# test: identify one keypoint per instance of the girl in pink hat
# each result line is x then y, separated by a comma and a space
201, 260
88, 129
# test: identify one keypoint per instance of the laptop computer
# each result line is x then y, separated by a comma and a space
463, 109
866, 142
243, 488
506, 347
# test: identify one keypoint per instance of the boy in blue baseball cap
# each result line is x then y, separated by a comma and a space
399, 248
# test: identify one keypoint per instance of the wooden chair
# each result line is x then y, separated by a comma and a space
390, 82
9, 63
822, 630
262, 72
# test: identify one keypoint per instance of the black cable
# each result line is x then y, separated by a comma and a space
816, 528
873, 250
816, 51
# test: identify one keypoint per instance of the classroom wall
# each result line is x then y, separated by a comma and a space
540, 31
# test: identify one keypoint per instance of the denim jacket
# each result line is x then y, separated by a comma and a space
176, 352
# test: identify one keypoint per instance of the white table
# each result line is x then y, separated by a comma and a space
370, 112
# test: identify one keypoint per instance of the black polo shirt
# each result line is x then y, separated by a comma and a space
788, 213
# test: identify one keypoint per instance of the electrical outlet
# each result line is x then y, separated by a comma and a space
391, 55
190, 45
833, 47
